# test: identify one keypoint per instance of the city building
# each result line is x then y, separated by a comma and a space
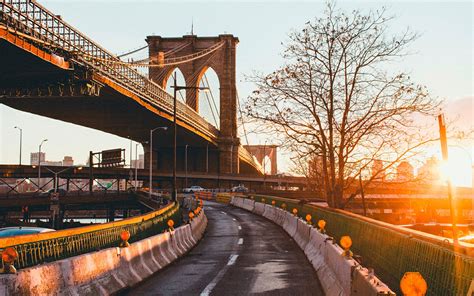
34, 157
429, 171
405, 171
68, 161
139, 163
377, 171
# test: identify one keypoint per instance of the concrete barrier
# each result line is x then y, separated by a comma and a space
248, 204
106, 271
338, 275
301, 236
269, 212
280, 216
259, 208
290, 224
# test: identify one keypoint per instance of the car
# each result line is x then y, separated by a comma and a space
22, 230
241, 189
193, 189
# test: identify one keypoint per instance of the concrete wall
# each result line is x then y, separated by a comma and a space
106, 271
338, 275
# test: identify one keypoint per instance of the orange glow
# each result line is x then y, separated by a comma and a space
458, 168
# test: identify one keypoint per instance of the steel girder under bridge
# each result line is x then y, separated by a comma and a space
51, 69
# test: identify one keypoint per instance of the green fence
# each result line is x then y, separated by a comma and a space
391, 252
58, 245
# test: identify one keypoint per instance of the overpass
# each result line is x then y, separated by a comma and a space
51, 69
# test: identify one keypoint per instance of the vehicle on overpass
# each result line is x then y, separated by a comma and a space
20, 230
240, 188
193, 189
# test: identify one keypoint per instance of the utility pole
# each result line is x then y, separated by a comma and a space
21, 139
444, 152
176, 88
39, 163
151, 159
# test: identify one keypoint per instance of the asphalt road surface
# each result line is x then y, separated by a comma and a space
240, 254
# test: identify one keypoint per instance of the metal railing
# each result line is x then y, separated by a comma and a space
51, 246
448, 270
34, 20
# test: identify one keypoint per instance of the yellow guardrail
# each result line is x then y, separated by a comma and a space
23, 239
223, 197
35, 249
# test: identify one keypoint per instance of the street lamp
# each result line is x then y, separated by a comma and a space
177, 88
39, 163
136, 163
151, 157
21, 139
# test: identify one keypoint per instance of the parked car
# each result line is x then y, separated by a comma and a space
193, 189
241, 189
21, 230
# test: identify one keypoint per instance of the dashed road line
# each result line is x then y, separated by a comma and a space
207, 291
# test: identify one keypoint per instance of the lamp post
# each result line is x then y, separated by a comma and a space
39, 163
444, 153
177, 88
151, 158
136, 165
21, 139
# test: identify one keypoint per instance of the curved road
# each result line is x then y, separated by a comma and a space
240, 254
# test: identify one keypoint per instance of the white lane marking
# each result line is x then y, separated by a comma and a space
241, 241
224, 213
240, 227
207, 291
232, 259
234, 219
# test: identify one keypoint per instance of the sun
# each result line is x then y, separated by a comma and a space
458, 168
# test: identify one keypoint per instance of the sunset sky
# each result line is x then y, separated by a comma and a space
442, 58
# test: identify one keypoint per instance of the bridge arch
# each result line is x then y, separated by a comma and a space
167, 82
222, 59
209, 103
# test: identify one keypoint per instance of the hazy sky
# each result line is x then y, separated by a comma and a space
442, 57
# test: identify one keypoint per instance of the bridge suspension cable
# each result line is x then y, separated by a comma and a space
162, 62
209, 98
133, 51
172, 51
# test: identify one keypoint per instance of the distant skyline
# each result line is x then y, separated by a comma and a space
442, 57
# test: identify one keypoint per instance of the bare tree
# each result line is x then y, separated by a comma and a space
334, 99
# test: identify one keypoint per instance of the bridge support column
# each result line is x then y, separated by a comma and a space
229, 156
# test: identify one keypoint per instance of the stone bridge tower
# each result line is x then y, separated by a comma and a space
222, 61
262, 151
